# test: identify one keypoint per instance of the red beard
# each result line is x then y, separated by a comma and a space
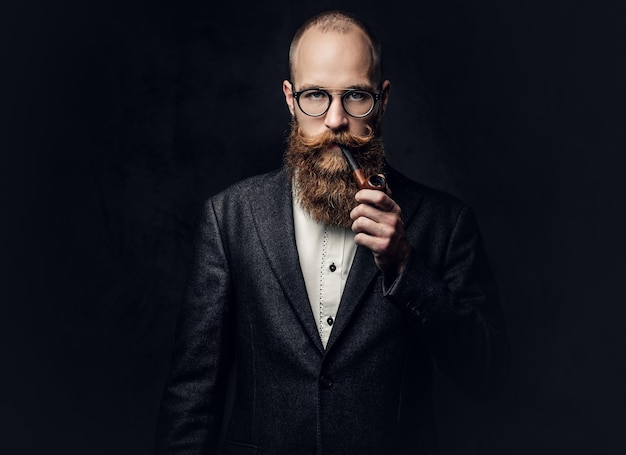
322, 178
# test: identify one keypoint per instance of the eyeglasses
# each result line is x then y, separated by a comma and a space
315, 102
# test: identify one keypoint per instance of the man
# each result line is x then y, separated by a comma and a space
334, 303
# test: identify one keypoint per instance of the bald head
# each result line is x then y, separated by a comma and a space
338, 22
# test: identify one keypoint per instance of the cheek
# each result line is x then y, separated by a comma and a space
359, 127
310, 126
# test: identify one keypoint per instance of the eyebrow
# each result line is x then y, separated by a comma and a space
345, 89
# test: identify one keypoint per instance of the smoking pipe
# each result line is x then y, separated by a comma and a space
373, 182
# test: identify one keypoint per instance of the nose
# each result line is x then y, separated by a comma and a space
336, 117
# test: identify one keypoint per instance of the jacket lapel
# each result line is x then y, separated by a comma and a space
273, 218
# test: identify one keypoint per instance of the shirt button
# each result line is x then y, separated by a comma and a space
330, 321
332, 267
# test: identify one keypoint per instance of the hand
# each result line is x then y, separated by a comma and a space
378, 226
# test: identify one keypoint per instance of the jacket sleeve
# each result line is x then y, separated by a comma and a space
456, 310
194, 397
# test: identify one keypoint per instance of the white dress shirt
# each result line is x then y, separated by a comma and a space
326, 254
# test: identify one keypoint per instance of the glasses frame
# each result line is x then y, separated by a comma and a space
374, 95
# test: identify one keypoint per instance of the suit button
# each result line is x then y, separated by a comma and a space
326, 382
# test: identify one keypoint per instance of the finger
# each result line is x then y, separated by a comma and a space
392, 219
376, 198
366, 211
377, 245
372, 228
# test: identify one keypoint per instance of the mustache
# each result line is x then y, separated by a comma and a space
329, 137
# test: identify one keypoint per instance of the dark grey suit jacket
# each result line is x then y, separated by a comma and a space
370, 391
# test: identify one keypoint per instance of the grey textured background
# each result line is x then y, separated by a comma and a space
118, 119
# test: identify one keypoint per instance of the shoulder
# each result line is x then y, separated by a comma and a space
434, 219
253, 188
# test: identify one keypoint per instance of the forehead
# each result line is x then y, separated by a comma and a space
333, 59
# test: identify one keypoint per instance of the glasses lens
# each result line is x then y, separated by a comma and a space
358, 103
314, 102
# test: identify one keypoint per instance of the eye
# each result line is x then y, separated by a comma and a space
356, 95
314, 95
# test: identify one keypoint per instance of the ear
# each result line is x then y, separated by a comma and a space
288, 91
386, 88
